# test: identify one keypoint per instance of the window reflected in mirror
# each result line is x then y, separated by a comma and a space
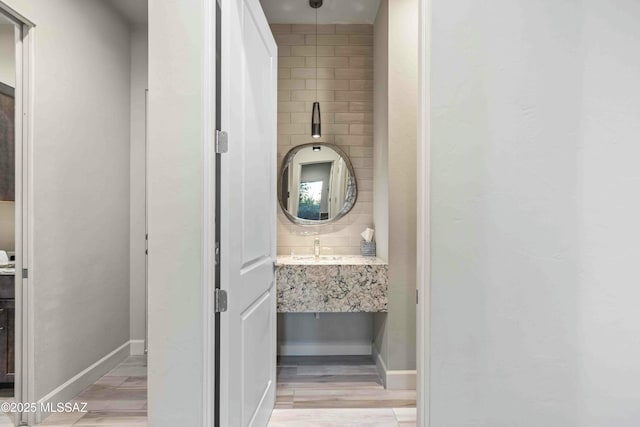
317, 184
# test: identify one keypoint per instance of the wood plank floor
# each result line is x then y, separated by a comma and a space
338, 391
117, 399
311, 392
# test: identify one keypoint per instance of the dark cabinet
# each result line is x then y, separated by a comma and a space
7, 329
7, 143
7, 339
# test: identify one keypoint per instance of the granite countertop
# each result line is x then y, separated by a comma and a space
283, 260
350, 283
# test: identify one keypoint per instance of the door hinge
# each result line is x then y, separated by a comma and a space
220, 300
25, 273
222, 142
417, 297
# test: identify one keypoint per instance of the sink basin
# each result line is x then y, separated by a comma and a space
327, 260
320, 258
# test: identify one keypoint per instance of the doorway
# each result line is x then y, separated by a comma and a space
182, 254
14, 64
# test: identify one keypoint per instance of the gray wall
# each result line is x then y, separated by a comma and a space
176, 134
80, 182
535, 213
403, 128
137, 274
381, 157
330, 334
397, 22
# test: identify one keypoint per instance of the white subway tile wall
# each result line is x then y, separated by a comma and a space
345, 92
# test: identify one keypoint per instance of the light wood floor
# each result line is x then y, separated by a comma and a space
338, 391
311, 392
117, 399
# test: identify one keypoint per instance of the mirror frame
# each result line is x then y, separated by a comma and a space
352, 188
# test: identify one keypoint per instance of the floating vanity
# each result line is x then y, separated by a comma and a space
331, 284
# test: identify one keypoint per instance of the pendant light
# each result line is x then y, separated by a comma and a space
316, 131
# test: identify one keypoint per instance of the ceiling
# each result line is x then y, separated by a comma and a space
280, 11
134, 11
331, 12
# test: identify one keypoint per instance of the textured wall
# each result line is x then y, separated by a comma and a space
345, 92
535, 207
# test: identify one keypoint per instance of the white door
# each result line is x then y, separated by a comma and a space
248, 216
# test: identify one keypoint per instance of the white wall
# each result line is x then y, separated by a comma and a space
176, 135
535, 213
80, 186
137, 270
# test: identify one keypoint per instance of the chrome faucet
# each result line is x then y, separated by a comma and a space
316, 247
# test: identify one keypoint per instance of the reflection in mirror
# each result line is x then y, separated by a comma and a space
317, 184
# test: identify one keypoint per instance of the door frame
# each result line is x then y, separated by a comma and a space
423, 317
24, 361
210, 271
423, 284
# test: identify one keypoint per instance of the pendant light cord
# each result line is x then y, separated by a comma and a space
316, 54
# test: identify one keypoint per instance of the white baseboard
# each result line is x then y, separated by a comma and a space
83, 379
137, 347
381, 367
316, 348
401, 380
394, 379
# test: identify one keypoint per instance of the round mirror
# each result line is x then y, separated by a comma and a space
317, 184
